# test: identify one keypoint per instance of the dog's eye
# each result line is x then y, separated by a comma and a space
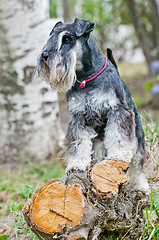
66, 39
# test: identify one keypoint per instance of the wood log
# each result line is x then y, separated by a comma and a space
56, 205
108, 175
88, 205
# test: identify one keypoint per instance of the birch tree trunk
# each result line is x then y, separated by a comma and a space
29, 111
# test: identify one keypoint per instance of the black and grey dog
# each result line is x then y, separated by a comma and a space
105, 121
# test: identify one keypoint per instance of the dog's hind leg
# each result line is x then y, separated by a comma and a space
137, 176
120, 137
121, 143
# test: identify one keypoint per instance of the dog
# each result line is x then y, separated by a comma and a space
105, 120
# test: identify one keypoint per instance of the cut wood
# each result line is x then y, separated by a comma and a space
86, 205
56, 206
108, 175
76, 237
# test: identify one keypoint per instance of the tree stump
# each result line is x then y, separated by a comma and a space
88, 205
56, 205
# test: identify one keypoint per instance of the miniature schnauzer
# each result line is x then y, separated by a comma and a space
105, 121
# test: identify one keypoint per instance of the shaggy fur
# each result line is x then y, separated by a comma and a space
105, 121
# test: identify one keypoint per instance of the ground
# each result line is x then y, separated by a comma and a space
18, 182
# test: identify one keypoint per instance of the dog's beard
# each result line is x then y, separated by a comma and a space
59, 72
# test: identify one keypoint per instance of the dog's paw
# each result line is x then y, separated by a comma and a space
73, 170
77, 165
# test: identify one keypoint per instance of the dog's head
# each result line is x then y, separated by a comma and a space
62, 54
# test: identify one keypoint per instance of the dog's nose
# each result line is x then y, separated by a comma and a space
45, 55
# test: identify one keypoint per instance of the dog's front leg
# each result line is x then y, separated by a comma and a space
120, 136
79, 145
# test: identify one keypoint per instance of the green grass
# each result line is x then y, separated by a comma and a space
151, 230
151, 129
17, 187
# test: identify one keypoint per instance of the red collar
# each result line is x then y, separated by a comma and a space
83, 82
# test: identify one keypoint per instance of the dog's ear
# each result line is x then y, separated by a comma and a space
58, 24
82, 27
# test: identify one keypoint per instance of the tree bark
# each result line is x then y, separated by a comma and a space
149, 42
29, 109
155, 21
68, 11
88, 205
139, 29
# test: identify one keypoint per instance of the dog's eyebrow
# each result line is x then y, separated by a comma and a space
59, 42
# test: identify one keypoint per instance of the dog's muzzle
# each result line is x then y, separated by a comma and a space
58, 71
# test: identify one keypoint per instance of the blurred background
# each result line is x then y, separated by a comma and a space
33, 117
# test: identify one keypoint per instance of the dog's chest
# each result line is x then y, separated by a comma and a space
92, 105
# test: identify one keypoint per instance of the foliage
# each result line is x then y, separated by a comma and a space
151, 129
138, 102
107, 15
140, 17
20, 228
151, 229
148, 86
101, 12
156, 202
53, 8
4, 237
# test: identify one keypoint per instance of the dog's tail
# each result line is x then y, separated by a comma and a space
111, 58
